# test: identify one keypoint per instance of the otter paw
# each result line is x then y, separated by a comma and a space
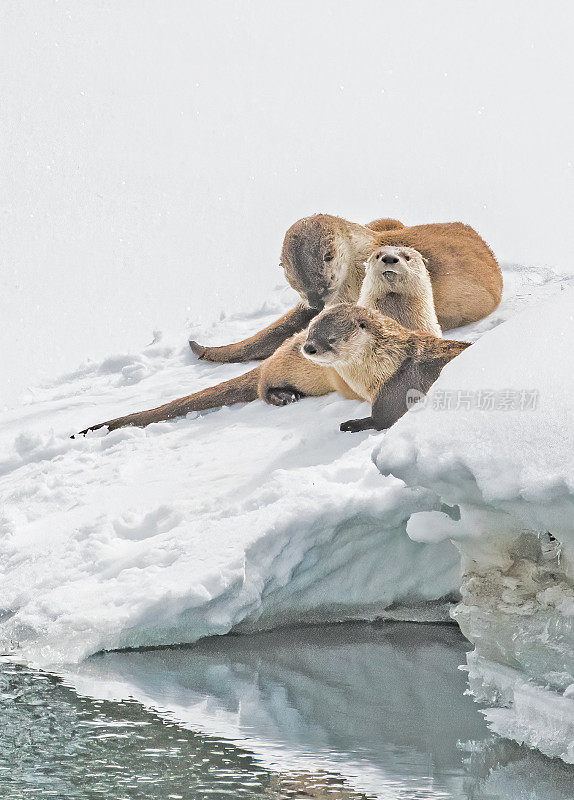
350, 426
283, 397
198, 349
355, 425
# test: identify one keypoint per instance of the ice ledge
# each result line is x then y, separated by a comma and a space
530, 714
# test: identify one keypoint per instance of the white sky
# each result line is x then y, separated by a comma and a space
153, 152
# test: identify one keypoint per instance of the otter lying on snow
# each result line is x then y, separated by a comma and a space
376, 356
396, 283
323, 258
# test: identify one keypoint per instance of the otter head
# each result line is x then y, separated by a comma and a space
394, 267
339, 334
316, 255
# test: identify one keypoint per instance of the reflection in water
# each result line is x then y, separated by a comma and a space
385, 704
343, 711
55, 744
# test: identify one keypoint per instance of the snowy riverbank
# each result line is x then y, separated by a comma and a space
241, 519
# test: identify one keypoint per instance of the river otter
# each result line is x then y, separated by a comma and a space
397, 284
378, 358
402, 290
323, 258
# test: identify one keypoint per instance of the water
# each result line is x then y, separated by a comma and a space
342, 711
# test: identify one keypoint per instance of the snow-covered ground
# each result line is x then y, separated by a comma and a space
248, 515
152, 157
254, 516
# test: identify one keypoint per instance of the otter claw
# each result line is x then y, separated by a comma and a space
91, 428
198, 349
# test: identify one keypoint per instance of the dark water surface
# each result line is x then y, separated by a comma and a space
341, 711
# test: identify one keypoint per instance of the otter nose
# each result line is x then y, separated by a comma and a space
310, 349
388, 259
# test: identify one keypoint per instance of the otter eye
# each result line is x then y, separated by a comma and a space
328, 256
362, 325
407, 258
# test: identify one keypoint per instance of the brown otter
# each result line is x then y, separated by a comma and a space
378, 358
323, 258
384, 224
396, 283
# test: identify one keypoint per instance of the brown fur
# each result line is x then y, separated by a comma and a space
237, 390
398, 285
368, 347
264, 343
287, 377
370, 351
465, 276
384, 224
323, 258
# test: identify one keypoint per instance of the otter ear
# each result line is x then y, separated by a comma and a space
425, 261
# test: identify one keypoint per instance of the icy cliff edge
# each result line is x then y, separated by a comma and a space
496, 438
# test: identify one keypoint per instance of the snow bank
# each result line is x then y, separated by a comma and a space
251, 516
496, 438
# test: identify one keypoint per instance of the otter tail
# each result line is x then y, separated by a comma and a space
242, 389
384, 224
